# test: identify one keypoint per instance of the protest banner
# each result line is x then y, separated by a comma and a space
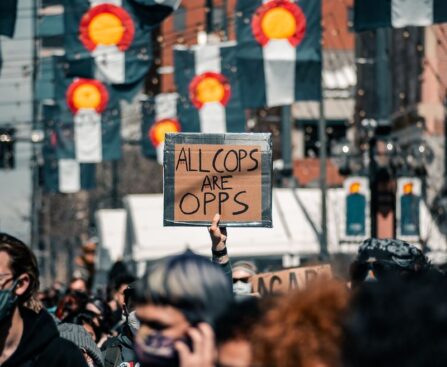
230, 174
287, 280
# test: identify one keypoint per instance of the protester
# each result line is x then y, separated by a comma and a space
398, 322
119, 351
241, 274
303, 329
116, 303
219, 245
79, 281
177, 303
378, 257
234, 332
71, 305
28, 334
84, 341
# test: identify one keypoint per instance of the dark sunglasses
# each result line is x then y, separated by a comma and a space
243, 280
381, 269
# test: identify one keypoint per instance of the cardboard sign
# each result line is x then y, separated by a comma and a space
288, 280
207, 174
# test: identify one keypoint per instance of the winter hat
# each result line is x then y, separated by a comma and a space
83, 340
247, 266
394, 251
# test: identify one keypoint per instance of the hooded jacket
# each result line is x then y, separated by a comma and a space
41, 345
119, 349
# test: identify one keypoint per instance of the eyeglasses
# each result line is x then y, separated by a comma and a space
381, 269
243, 280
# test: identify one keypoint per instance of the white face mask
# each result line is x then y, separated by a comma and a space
241, 287
133, 322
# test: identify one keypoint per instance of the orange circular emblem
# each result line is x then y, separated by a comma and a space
279, 20
160, 128
107, 25
87, 94
209, 87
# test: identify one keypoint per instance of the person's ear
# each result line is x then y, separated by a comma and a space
22, 284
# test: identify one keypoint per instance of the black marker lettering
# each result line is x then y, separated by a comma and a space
200, 162
206, 201
215, 158
223, 197
190, 161
256, 163
182, 158
240, 203
223, 181
193, 211
235, 158
206, 182
242, 155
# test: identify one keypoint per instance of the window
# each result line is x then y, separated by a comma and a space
180, 19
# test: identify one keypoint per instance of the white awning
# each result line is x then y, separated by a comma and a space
111, 226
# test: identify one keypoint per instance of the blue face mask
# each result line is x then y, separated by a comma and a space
8, 301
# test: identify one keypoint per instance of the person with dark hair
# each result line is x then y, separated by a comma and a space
71, 305
117, 287
84, 341
119, 350
178, 302
234, 331
101, 313
79, 281
28, 334
379, 257
397, 322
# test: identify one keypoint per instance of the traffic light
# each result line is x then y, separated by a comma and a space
7, 142
408, 200
357, 200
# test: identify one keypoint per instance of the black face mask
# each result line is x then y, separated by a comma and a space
8, 301
157, 350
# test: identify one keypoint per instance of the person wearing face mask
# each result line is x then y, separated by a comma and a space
178, 302
241, 274
28, 334
119, 351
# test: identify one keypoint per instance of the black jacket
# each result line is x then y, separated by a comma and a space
41, 345
119, 349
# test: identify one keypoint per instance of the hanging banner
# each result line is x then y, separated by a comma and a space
159, 116
62, 175
207, 83
278, 51
230, 174
370, 15
89, 129
110, 40
286, 281
408, 201
357, 206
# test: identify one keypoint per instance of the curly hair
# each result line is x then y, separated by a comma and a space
303, 328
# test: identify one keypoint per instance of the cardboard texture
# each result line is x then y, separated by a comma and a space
230, 174
288, 280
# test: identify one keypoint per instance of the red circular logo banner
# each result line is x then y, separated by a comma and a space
160, 128
279, 19
87, 94
107, 24
209, 87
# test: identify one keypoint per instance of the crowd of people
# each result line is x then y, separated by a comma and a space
190, 311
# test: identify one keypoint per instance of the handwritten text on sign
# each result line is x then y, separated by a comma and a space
288, 280
223, 179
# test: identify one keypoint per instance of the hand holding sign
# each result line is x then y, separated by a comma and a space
218, 240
